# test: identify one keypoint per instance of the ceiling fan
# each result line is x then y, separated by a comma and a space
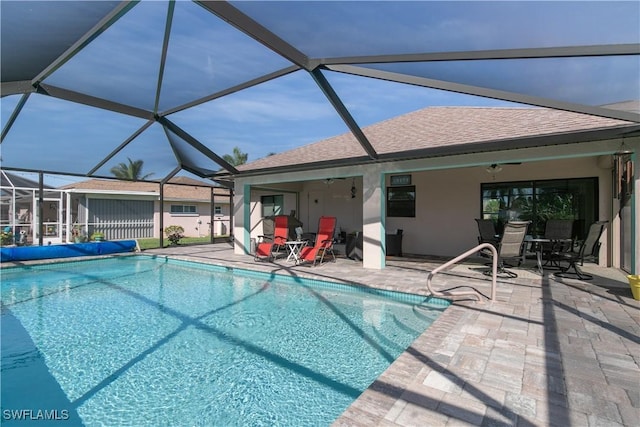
497, 167
330, 181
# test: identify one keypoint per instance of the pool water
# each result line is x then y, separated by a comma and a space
141, 340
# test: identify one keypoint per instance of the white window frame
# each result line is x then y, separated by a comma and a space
192, 211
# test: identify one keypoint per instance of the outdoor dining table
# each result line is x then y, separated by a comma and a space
538, 243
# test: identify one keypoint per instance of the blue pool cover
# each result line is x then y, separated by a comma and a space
26, 253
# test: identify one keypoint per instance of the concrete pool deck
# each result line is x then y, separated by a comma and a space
546, 352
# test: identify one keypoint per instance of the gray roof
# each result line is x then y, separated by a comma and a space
8, 179
17, 185
437, 131
178, 188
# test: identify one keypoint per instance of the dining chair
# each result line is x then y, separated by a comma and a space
588, 247
559, 232
487, 231
511, 245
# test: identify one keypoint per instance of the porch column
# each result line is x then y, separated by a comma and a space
373, 200
241, 215
40, 208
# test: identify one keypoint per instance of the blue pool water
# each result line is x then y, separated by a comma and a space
147, 341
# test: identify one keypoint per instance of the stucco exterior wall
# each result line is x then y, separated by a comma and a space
196, 224
318, 198
290, 203
448, 200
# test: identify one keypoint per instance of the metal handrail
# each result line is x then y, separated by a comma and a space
494, 273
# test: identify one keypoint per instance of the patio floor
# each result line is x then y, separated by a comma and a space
546, 352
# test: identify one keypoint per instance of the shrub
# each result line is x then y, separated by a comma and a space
97, 236
77, 232
174, 233
6, 236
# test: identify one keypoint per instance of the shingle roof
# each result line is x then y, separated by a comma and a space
8, 179
436, 127
188, 188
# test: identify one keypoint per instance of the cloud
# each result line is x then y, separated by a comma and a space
287, 99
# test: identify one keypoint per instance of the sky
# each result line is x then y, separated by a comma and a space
205, 55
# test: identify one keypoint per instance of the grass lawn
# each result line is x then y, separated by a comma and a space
153, 243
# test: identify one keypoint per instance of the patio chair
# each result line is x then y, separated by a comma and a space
487, 231
353, 245
510, 246
393, 243
559, 231
588, 248
324, 242
268, 246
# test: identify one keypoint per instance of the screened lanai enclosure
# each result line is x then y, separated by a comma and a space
19, 212
179, 84
87, 85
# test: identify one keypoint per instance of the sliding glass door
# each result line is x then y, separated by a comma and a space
539, 201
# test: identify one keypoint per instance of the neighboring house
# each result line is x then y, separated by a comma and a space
131, 209
119, 209
19, 196
433, 175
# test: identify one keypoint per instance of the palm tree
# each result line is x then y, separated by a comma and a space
238, 158
130, 172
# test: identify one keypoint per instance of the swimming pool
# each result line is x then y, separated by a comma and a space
140, 340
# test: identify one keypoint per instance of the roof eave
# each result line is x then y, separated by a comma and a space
516, 143
459, 149
110, 192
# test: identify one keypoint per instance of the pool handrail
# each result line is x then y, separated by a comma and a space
473, 292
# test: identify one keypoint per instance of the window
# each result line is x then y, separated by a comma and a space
217, 210
271, 205
538, 201
401, 201
183, 209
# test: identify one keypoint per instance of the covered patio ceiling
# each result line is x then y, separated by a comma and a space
89, 84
